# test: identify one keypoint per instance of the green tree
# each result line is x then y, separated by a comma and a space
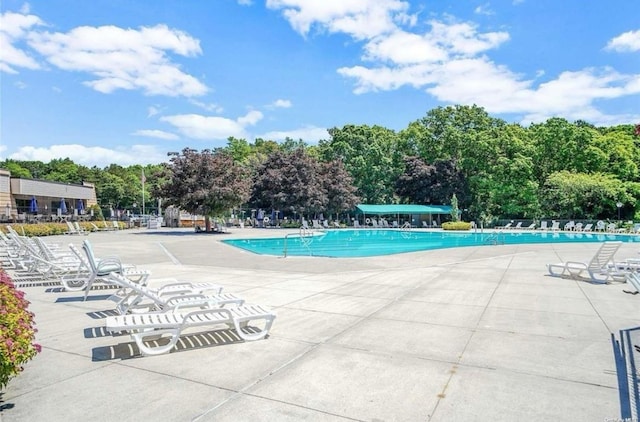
16, 169
579, 195
368, 155
455, 211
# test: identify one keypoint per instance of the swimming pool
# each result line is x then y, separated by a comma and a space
362, 243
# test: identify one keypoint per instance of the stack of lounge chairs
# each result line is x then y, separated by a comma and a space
147, 314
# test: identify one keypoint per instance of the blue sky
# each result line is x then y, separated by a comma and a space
121, 81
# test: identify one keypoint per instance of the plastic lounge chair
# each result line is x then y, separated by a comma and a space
172, 324
633, 279
86, 275
543, 225
531, 226
506, 227
578, 227
601, 226
96, 228
71, 229
99, 269
600, 269
571, 225
139, 297
79, 229
588, 227
517, 226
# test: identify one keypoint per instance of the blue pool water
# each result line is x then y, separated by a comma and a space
361, 243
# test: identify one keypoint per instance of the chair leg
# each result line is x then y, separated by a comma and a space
243, 322
156, 350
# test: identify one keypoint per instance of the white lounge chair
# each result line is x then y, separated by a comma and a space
571, 225
543, 225
531, 226
96, 228
600, 269
99, 269
172, 324
506, 227
578, 227
588, 227
633, 278
79, 229
517, 226
356, 224
140, 298
601, 226
555, 226
71, 229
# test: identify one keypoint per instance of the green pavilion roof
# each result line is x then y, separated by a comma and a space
403, 209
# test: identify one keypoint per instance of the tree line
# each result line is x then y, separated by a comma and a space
555, 169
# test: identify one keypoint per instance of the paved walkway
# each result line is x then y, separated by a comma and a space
466, 334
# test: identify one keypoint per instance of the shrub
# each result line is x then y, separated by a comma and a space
456, 225
16, 330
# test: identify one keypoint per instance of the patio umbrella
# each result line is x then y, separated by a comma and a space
33, 205
63, 206
80, 206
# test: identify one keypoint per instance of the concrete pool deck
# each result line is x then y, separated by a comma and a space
474, 333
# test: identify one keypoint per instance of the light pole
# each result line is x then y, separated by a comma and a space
619, 205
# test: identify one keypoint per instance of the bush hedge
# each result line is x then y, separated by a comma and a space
51, 229
17, 332
456, 225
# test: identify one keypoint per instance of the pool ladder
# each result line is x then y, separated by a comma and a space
496, 238
306, 237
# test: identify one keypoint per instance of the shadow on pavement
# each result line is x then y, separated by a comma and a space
200, 340
626, 350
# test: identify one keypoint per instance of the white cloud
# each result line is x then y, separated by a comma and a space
196, 126
450, 60
361, 19
93, 156
212, 107
14, 28
626, 42
484, 9
245, 2
124, 58
309, 134
154, 133
152, 111
251, 118
20, 85
281, 103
